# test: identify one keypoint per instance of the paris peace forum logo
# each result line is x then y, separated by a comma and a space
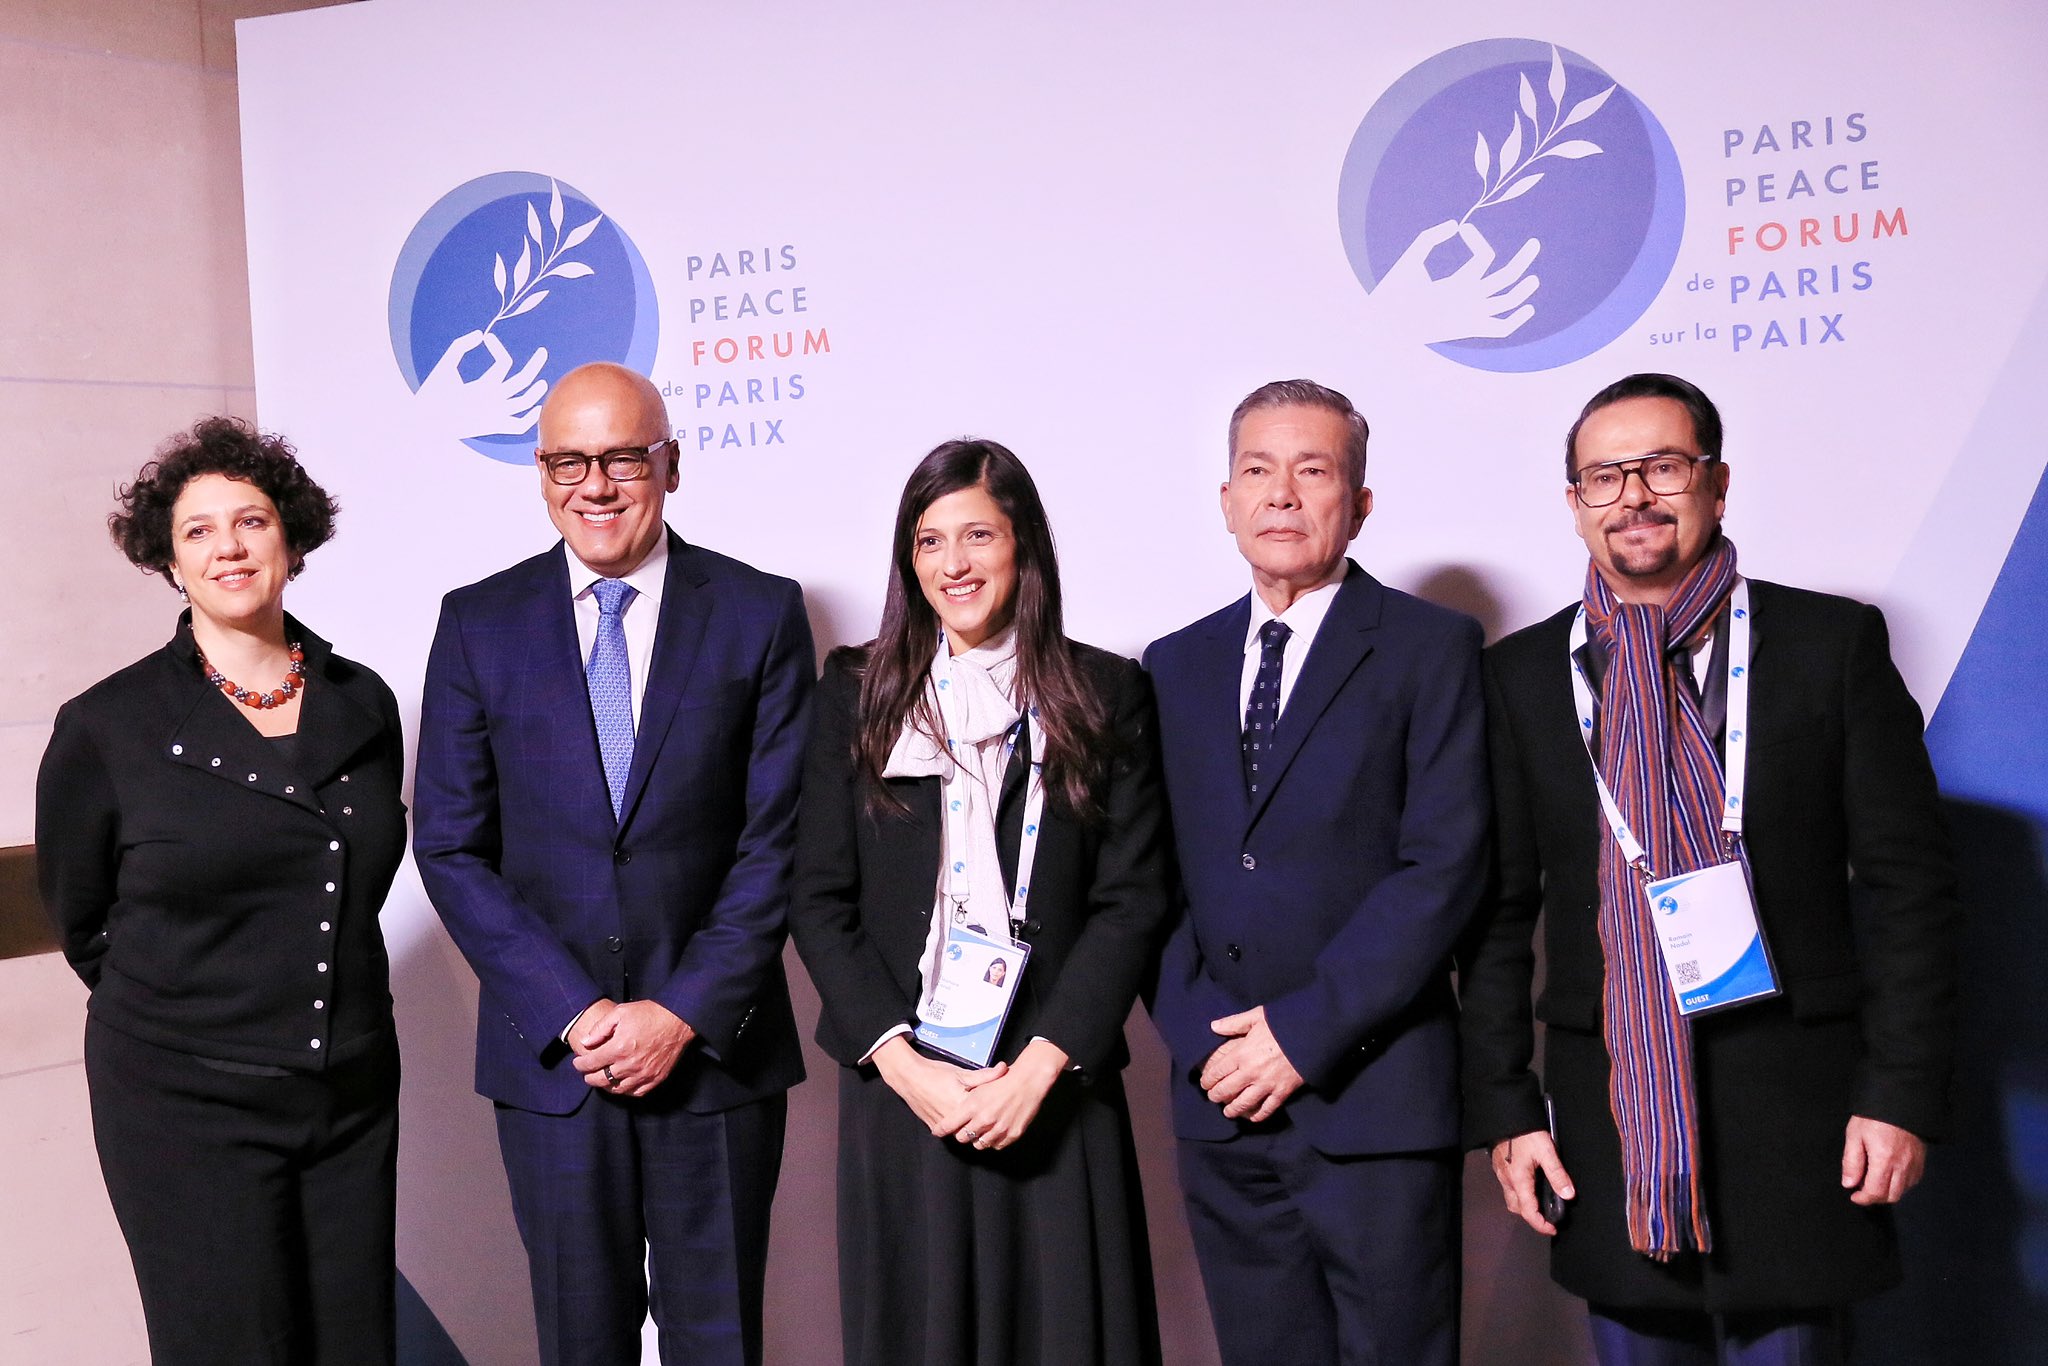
1510, 205
506, 284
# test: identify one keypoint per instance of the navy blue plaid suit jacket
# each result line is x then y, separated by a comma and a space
682, 898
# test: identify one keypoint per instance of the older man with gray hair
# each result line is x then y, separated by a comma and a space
1324, 758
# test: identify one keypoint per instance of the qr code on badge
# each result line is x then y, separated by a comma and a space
1688, 973
937, 1009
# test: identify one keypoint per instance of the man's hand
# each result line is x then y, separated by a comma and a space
1248, 1075
1002, 1104
1515, 1161
936, 1092
1880, 1161
629, 1049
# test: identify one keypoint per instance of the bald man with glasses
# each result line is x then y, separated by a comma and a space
605, 806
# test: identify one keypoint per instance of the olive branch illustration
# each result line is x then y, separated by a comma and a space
1510, 177
526, 295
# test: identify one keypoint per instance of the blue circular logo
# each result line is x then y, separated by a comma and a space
508, 283
1509, 205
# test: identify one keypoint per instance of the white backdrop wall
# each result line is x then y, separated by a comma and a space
1086, 231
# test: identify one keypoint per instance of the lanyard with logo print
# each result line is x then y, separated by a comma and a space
957, 798
979, 970
1706, 921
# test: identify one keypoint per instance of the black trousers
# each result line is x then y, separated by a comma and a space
259, 1210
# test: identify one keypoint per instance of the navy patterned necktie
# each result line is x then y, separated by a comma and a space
1262, 714
610, 680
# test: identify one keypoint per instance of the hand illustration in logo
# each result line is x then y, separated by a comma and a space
1588, 179
495, 403
1472, 301
1668, 904
505, 284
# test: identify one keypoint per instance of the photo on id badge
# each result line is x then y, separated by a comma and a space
976, 982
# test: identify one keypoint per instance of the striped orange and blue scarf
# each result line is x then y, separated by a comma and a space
1657, 757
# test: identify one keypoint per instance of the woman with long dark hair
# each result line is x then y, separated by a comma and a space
980, 787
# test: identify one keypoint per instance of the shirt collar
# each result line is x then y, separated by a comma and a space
1304, 616
647, 579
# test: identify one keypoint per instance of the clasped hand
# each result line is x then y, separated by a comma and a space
628, 1049
988, 1107
1248, 1074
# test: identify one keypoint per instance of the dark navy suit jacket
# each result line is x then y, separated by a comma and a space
1335, 897
682, 898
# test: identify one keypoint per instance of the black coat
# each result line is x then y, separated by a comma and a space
1856, 892
218, 900
866, 883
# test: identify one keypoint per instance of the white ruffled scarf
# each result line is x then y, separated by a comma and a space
979, 709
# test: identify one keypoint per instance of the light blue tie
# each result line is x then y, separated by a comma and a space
610, 679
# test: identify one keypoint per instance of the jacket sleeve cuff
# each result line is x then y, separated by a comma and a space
1918, 1106
876, 1047
1313, 1047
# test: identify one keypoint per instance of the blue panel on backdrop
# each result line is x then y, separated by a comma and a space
422, 1341
1990, 734
1976, 1233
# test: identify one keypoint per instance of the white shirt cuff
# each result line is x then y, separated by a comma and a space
564, 1035
876, 1046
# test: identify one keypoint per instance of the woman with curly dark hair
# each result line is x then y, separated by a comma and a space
216, 827
981, 883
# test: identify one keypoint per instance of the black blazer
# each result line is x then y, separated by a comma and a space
1856, 892
216, 899
866, 882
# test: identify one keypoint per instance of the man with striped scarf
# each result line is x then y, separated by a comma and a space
1725, 1177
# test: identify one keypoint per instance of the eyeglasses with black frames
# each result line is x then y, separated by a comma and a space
1662, 472
621, 465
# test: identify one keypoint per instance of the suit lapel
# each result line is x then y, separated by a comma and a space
555, 666
678, 636
1341, 645
1014, 774
920, 829
333, 726
1714, 694
1213, 686
1010, 808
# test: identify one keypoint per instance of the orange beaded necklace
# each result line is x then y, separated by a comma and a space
276, 697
